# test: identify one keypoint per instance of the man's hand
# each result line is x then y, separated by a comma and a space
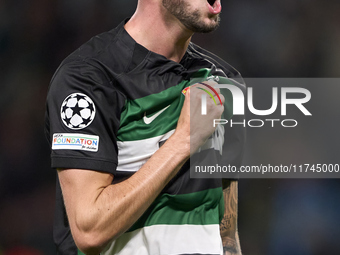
191, 121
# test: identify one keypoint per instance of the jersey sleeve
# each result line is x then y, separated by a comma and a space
82, 118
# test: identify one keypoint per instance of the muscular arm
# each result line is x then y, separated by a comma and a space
99, 211
228, 225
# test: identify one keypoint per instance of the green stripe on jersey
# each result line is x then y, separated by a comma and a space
198, 208
80, 253
170, 102
133, 126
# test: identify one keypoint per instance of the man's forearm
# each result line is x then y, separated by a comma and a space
97, 216
228, 225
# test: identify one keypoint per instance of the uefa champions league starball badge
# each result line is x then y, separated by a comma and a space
77, 111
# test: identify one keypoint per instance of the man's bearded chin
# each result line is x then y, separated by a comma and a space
198, 26
191, 19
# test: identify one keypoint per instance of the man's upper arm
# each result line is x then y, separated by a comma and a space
83, 115
81, 188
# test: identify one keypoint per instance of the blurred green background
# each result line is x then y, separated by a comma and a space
261, 38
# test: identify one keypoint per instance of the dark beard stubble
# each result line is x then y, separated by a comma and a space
191, 20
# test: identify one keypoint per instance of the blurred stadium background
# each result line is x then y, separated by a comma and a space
261, 38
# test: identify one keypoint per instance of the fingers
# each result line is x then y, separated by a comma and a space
210, 88
222, 98
211, 85
203, 104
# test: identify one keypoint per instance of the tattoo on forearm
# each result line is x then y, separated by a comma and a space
226, 222
228, 225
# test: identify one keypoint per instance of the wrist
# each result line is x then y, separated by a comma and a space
181, 142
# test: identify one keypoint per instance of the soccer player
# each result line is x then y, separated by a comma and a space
123, 125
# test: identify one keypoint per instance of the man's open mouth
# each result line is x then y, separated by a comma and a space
211, 2
214, 6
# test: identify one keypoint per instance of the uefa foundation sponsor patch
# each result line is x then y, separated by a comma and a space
71, 141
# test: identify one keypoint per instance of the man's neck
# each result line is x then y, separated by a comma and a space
159, 32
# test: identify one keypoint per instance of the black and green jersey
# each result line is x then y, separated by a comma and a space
111, 105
